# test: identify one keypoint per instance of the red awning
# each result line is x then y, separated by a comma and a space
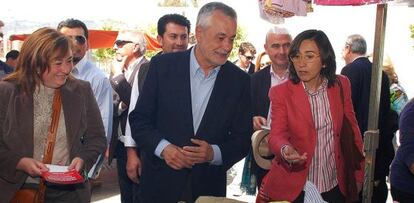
99, 39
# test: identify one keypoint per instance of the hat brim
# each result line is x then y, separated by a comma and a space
257, 138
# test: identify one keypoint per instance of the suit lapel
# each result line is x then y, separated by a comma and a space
267, 85
133, 76
217, 97
335, 104
183, 76
300, 101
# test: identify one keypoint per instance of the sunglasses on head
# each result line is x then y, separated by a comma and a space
81, 40
119, 42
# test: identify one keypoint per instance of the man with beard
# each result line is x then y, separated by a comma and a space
84, 69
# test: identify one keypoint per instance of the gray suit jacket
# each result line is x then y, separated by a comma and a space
84, 131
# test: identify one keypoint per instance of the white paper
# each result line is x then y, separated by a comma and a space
57, 168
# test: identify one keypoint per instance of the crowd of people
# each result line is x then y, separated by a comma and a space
176, 123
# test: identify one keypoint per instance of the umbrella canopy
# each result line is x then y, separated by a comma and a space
99, 39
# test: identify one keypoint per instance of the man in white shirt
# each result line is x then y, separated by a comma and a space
130, 47
276, 45
84, 69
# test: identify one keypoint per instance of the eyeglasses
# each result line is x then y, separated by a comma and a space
81, 40
120, 43
250, 58
307, 58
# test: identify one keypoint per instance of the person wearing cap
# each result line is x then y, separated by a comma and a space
192, 121
307, 114
276, 46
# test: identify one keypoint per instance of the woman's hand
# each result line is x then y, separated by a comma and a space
292, 156
31, 166
77, 164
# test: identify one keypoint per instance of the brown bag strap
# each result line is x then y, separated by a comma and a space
50, 142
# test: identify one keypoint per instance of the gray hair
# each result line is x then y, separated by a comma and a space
357, 44
278, 31
136, 37
203, 17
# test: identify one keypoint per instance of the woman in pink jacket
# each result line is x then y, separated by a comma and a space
307, 114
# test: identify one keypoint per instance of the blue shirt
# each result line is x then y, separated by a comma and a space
401, 176
102, 90
201, 88
5, 69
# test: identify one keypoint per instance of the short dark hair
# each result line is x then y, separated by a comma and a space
327, 54
73, 23
13, 54
172, 18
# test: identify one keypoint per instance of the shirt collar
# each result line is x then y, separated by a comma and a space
272, 73
358, 57
320, 89
195, 68
132, 65
80, 65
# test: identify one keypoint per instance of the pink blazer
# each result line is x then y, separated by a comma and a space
292, 124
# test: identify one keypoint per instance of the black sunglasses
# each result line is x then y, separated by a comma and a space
119, 42
249, 57
81, 40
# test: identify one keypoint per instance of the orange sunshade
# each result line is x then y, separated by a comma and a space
99, 39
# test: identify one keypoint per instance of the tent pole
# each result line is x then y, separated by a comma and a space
372, 134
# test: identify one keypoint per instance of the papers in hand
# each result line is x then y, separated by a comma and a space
61, 175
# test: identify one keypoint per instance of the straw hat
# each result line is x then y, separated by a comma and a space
261, 152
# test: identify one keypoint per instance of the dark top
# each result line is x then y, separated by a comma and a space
401, 176
164, 111
5, 69
359, 73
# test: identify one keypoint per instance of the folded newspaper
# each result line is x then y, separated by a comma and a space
61, 175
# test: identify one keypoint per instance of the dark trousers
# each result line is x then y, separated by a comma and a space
334, 195
129, 189
380, 192
400, 196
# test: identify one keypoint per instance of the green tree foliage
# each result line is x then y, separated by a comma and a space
107, 54
412, 31
173, 3
240, 37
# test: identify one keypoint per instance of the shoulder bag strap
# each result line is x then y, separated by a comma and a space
50, 143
